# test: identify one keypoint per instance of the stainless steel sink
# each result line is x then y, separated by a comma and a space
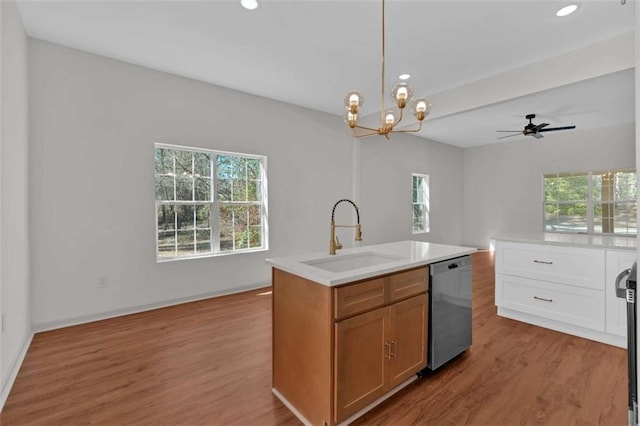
349, 262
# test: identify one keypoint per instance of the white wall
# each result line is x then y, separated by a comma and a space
503, 182
14, 232
93, 125
385, 169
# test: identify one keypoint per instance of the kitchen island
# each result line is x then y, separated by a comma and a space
565, 282
350, 330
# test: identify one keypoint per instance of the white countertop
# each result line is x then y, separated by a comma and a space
578, 240
402, 254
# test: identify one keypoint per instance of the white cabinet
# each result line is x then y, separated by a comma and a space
564, 288
617, 261
572, 305
576, 266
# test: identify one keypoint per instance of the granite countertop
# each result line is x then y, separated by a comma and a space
577, 240
391, 257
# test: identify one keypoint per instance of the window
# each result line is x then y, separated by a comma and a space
209, 202
420, 203
598, 202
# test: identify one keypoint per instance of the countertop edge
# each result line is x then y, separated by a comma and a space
294, 265
578, 240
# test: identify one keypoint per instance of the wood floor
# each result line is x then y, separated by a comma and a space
209, 363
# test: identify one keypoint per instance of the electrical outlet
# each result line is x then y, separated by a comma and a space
103, 282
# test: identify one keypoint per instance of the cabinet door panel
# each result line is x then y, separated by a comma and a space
553, 301
359, 361
408, 339
576, 266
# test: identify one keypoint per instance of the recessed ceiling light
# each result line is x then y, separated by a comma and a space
404, 76
249, 4
567, 10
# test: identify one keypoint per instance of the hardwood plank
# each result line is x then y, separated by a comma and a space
209, 362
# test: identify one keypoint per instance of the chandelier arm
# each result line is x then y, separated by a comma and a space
371, 133
399, 118
409, 131
366, 128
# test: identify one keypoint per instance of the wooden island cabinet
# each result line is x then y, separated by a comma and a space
351, 329
340, 350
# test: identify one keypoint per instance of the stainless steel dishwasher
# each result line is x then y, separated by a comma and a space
449, 310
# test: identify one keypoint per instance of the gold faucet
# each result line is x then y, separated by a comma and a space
334, 244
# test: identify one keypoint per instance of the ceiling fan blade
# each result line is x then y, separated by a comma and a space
541, 125
510, 131
508, 136
536, 135
551, 129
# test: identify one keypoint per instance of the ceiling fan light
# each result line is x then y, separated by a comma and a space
353, 101
567, 10
401, 94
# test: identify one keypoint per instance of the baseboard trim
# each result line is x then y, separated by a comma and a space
15, 368
48, 326
291, 408
378, 401
354, 416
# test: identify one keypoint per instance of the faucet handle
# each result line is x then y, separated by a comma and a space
338, 243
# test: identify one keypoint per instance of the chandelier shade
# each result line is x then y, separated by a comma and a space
401, 94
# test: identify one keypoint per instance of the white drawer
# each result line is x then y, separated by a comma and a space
569, 265
572, 305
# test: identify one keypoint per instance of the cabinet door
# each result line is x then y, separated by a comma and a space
360, 361
616, 309
408, 339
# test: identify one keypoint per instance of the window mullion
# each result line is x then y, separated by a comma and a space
590, 204
233, 228
195, 207
214, 219
175, 230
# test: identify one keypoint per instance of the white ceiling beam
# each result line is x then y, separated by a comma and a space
608, 56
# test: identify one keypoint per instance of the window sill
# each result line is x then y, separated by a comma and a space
208, 255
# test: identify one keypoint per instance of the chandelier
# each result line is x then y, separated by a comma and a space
402, 96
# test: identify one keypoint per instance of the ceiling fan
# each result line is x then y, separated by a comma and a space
534, 129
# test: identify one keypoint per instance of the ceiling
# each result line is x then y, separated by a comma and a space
484, 64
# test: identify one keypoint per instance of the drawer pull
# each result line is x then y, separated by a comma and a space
392, 351
543, 299
546, 262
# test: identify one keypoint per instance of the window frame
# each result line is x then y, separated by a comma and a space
214, 205
425, 204
590, 201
